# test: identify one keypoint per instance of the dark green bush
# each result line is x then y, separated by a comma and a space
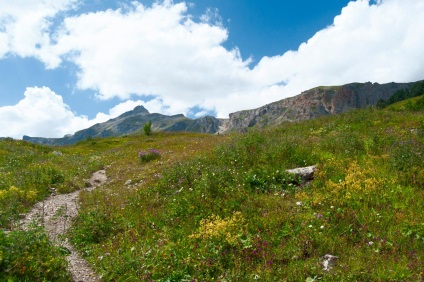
148, 128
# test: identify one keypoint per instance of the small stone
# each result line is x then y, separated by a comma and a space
304, 173
329, 261
57, 153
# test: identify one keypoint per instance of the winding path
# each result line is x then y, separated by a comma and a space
56, 214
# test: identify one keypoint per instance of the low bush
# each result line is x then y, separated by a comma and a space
148, 156
30, 256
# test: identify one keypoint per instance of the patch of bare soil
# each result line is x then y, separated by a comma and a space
56, 213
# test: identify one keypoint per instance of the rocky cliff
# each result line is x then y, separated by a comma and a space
315, 102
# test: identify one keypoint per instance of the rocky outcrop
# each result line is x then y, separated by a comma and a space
206, 124
315, 102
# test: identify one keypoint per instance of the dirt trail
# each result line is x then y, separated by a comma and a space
56, 214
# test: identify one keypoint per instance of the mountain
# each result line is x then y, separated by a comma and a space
319, 101
134, 121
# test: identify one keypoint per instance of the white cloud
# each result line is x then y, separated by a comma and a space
161, 51
43, 113
366, 43
154, 50
25, 27
153, 106
40, 113
211, 16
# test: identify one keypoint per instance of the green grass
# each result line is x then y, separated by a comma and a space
29, 171
223, 207
30, 256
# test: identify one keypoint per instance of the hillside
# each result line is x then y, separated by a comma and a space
316, 102
207, 207
310, 104
132, 122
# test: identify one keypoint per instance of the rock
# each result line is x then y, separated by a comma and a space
329, 261
315, 102
306, 174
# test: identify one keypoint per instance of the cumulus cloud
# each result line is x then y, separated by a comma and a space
160, 51
156, 50
42, 112
25, 27
366, 42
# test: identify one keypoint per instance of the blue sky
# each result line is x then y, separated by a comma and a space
68, 64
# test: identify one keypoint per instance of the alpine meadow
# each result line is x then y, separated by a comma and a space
199, 207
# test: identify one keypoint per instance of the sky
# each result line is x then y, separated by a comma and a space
66, 65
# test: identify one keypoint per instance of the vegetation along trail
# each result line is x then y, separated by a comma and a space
56, 214
196, 207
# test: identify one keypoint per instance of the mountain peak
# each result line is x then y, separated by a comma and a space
137, 111
140, 110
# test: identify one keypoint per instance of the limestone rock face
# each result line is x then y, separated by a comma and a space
315, 102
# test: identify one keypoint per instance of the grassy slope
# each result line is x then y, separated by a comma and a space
233, 214
230, 213
28, 172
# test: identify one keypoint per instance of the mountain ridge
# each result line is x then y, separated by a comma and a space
131, 122
315, 102
312, 103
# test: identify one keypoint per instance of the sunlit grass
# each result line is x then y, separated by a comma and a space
177, 221
224, 208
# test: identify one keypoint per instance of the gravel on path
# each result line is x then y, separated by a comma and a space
56, 213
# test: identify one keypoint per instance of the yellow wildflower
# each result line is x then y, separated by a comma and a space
227, 229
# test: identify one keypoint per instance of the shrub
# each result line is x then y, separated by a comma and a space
148, 128
150, 155
417, 105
